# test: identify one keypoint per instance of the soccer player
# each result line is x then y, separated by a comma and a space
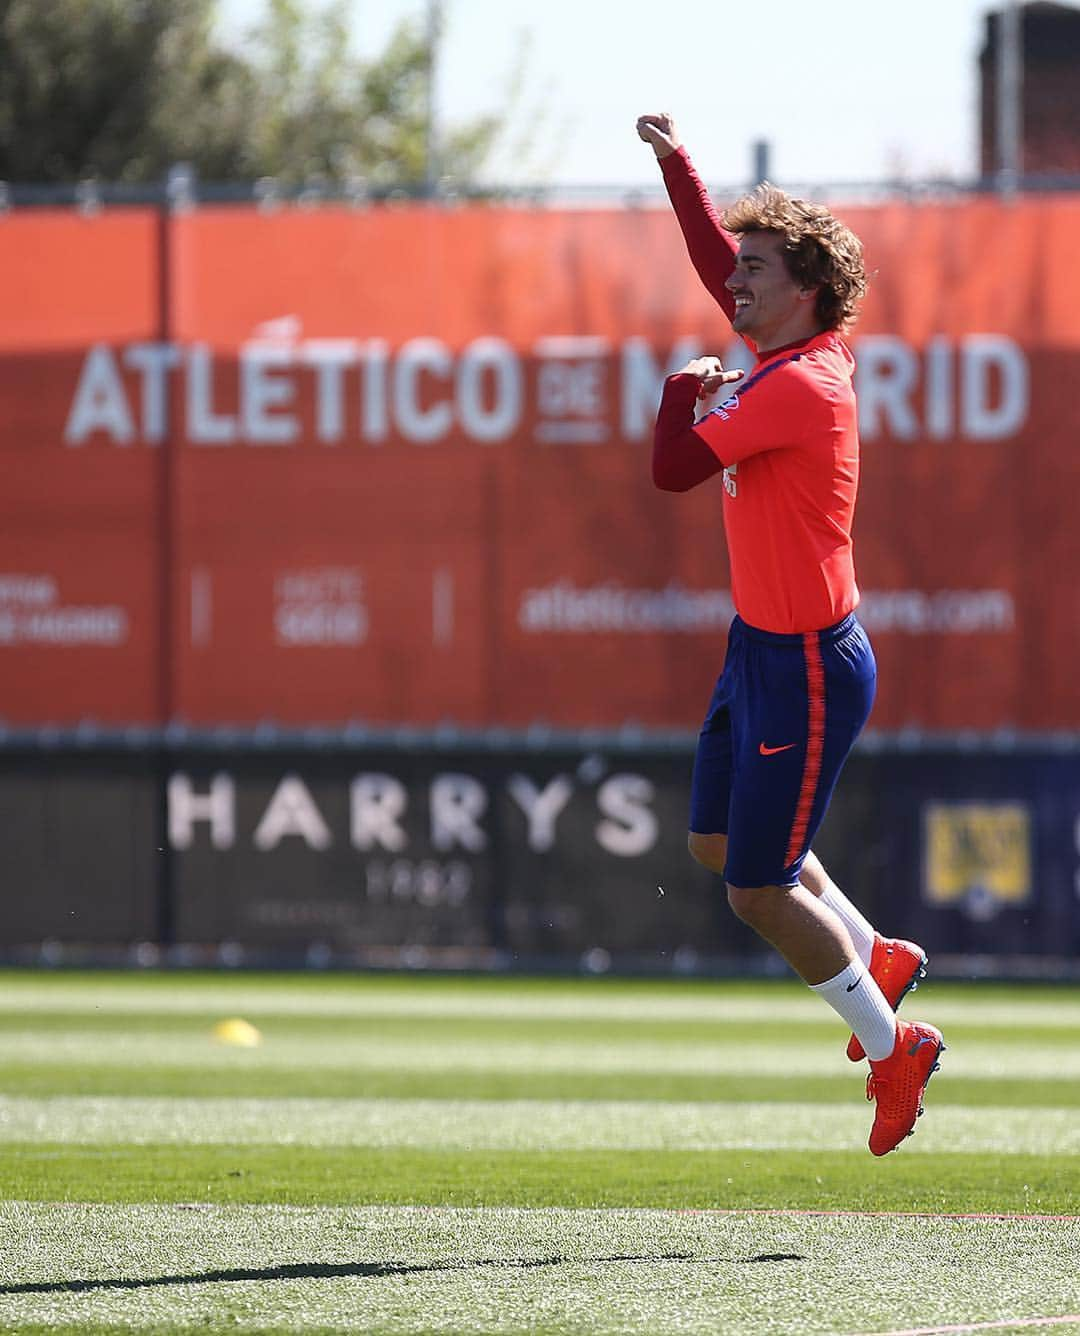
799, 675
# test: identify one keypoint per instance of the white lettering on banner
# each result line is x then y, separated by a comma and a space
945, 611
457, 804
374, 410
31, 614
66, 626
292, 811
217, 807
442, 606
279, 329
421, 424
100, 403
994, 387
609, 607
498, 358
320, 624
201, 601
983, 355
977, 387
541, 807
261, 391
630, 828
564, 608
28, 591
376, 805
886, 373
153, 362
426, 883
323, 606
330, 358
204, 426
940, 390
571, 389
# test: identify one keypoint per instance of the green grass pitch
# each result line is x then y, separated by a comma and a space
405, 1155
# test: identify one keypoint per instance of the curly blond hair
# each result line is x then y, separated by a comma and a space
819, 251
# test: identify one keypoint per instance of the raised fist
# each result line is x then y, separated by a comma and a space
659, 131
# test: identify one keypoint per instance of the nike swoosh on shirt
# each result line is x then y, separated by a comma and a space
771, 751
852, 986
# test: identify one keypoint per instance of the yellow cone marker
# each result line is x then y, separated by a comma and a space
238, 1032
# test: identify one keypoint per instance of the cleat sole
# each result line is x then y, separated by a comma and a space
920, 973
935, 1068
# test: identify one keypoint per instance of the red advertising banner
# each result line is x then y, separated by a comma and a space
396, 463
80, 557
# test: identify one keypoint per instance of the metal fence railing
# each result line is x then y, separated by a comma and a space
181, 189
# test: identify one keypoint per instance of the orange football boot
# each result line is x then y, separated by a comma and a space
897, 1082
896, 967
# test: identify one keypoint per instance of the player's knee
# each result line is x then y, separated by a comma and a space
748, 903
708, 850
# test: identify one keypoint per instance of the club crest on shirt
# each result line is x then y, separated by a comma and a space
725, 410
731, 485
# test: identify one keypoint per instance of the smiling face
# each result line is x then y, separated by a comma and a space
771, 308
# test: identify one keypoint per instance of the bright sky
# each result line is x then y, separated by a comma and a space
844, 90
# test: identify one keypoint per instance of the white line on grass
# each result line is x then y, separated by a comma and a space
704, 1002
520, 1125
983, 1326
801, 1212
983, 1059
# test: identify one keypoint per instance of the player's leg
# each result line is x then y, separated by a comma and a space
711, 852
817, 881
783, 761
896, 965
806, 931
811, 938
815, 943
840, 668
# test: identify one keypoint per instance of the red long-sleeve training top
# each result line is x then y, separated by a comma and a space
787, 441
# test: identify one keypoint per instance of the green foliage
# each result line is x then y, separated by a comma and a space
122, 89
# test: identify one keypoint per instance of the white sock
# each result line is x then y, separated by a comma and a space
859, 928
855, 996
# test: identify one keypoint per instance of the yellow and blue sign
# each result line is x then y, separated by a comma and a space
977, 855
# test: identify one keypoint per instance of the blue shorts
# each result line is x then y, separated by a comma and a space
783, 718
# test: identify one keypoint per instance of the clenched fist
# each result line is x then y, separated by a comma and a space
659, 131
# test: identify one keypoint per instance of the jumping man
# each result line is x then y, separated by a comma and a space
799, 675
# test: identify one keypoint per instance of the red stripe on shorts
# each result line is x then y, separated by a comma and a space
815, 744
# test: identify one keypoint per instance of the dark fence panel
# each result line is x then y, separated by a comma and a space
508, 856
81, 858
981, 853
474, 857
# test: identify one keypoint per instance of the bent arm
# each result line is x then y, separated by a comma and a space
712, 249
680, 459
776, 409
